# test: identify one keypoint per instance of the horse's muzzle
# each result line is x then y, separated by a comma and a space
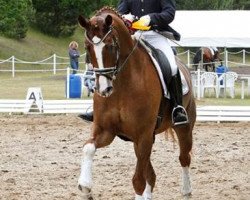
105, 93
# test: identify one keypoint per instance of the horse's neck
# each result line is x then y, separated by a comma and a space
126, 44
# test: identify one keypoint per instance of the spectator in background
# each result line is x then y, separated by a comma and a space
89, 78
74, 55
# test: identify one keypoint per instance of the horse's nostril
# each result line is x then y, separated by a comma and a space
109, 88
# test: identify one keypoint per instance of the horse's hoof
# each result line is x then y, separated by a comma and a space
86, 193
187, 196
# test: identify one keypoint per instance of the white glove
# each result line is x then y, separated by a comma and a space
129, 17
145, 20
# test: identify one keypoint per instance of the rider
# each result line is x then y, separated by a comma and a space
157, 14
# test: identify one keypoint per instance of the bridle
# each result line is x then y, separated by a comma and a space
111, 72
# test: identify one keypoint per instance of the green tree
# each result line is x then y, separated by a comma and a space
14, 18
54, 17
59, 17
241, 4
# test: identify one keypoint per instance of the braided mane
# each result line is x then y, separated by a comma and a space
108, 9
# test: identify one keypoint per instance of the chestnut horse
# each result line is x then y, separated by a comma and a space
209, 58
127, 100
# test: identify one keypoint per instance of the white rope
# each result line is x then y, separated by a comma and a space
7, 60
234, 53
36, 62
31, 70
67, 58
182, 53
39, 70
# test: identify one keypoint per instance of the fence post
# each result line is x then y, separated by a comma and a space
198, 84
244, 56
54, 63
13, 66
67, 84
226, 57
188, 58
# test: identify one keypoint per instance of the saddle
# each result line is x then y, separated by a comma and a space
163, 62
163, 67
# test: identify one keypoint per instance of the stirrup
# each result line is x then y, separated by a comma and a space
183, 112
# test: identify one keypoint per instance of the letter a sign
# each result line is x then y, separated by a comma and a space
32, 96
34, 99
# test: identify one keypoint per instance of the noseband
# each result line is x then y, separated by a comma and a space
111, 72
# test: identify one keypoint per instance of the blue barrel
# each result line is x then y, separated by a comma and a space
75, 86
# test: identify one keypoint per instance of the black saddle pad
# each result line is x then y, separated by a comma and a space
163, 63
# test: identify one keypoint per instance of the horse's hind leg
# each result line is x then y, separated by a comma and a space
184, 135
144, 177
151, 177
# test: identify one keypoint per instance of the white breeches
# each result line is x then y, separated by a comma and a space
162, 43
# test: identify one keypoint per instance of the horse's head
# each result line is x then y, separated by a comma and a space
102, 46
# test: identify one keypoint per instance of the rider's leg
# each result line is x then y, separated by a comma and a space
179, 115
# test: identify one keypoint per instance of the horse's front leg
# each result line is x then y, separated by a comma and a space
85, 180
144, 177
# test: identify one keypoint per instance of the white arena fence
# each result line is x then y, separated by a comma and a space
57, 63
204, 113
57, 67
52, 64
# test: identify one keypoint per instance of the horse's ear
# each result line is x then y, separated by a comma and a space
83, 22
108, 20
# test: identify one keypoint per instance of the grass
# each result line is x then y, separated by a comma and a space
53, 87
224, 101
37, 46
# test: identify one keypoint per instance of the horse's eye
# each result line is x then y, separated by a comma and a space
109, 47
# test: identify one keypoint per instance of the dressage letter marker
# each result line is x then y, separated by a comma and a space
34, 100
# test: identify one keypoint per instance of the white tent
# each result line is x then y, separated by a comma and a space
213, 28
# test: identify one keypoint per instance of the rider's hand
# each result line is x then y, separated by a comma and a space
129, 17
145, 20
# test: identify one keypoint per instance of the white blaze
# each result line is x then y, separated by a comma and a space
103, 82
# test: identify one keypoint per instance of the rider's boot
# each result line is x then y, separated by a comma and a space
179, 114
87, 116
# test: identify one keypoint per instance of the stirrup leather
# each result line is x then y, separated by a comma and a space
184, 112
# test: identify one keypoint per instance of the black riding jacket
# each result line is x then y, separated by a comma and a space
161, 12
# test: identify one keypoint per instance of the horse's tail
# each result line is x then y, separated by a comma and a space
170, 135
